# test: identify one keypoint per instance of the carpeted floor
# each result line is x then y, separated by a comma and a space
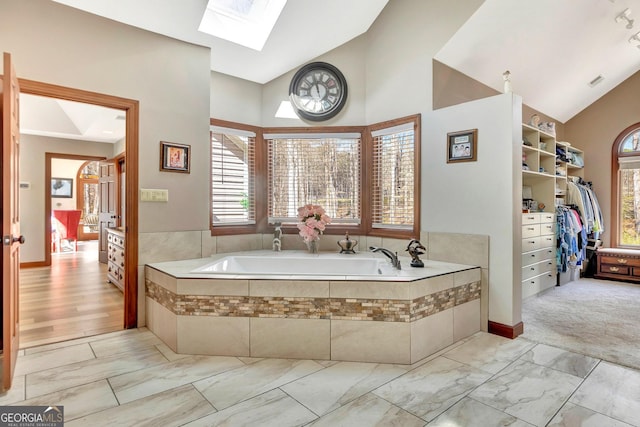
598, 318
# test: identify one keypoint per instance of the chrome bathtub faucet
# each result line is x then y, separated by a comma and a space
392, 256
277, 237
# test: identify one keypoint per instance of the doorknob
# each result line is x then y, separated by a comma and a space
9, 240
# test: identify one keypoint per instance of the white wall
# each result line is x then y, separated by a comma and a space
32, 164
480, 197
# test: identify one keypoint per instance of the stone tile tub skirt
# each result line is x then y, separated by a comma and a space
396, 318
385, 310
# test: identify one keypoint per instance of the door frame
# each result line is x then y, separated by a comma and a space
131, 108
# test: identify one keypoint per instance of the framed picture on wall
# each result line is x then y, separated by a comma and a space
62, 187
175, 157
462, 146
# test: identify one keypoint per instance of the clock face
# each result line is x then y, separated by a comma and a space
318, 91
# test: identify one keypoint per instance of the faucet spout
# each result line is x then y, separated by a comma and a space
277, 237
393, 257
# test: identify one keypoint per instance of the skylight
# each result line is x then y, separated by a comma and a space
244, 22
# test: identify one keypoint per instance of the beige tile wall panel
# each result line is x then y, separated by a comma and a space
424, 342
230, 287
290, 338
289, 288
222, 336
381, 342
163, 323
465, 319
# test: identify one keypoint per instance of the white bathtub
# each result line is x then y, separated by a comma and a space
318, 265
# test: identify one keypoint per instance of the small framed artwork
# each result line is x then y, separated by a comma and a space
62, 188
462, 146
175, 157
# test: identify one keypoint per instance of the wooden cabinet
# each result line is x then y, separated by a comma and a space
115, 257
618, 264
538, 252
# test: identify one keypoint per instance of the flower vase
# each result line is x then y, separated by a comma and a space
312, 246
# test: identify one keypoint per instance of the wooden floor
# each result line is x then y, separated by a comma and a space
70, 299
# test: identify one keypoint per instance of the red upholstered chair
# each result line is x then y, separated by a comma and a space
66, 227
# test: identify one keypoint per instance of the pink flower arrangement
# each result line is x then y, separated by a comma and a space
313, 221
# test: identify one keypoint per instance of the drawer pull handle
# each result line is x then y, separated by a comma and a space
622, 261
614, 269
532, 282
533, 269
531, 217
532, 241
530, 228
532, 255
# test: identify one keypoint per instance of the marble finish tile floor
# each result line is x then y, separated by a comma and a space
130, 378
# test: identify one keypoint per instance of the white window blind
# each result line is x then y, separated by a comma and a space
232, 177
631, 162
393, 177
323, 171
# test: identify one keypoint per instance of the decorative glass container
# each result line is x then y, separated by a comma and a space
313, 246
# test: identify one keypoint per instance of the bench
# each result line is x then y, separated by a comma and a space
618, 264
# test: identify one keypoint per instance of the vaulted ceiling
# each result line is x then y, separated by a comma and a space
553, 49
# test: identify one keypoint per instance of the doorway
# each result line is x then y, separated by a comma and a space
130, 111
71, 297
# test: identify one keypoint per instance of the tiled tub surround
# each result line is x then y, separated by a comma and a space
387, 319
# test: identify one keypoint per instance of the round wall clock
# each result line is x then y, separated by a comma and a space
318, 91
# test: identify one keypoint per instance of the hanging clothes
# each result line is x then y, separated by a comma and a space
579, 193
571, 238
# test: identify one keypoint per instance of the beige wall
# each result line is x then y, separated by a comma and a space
235, 99
451, 87
595, 129
56, 44
401, 45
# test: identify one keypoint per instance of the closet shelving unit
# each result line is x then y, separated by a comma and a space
540, 158
546, 178
573, 167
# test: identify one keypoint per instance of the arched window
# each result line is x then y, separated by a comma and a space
88, 200
625, 194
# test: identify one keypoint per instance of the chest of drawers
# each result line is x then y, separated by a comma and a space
115, 257
538, 252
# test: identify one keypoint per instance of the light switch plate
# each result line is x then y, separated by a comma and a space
154, 195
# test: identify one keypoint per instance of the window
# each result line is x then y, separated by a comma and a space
366, 178
627, 147
88, 200
232, 176
393, 180
318, 169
